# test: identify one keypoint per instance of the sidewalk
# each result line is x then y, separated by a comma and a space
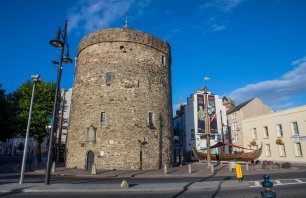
198, 170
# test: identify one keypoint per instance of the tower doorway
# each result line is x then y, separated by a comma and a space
90, 160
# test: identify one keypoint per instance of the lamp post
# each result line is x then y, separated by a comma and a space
35, 78
59, 42
141, 143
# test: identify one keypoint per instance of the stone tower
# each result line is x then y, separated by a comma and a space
121, 113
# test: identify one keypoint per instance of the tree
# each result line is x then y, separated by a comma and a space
41, 112
8, 114
3, 111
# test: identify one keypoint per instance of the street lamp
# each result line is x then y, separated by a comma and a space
142, 143
35, 78
59, 42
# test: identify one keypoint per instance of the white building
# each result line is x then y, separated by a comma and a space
283, 134
195, 121
64, 115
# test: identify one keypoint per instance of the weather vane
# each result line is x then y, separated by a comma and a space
126, 22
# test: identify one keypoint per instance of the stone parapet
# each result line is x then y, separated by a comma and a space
123, 35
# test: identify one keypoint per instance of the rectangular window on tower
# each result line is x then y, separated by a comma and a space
109, 78
163, 60
103, 118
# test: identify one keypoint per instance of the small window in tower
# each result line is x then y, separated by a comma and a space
163, 60
151, 119
109, 78
103, 118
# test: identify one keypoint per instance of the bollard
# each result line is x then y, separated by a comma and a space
239, 173
267, 185
165, 169
247, 167
124, 184
189, 168
231, 166
53, 167
93, 169
212, 168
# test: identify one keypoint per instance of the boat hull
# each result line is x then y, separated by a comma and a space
229, 157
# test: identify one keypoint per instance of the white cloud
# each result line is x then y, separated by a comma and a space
92, 15
216, 11
222, 5
275, 93
218, 28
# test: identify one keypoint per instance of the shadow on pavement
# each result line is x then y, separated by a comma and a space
14, 191
205, 178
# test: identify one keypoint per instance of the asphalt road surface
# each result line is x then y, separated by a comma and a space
296, 191
14, 178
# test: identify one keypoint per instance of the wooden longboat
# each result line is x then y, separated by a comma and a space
228, 157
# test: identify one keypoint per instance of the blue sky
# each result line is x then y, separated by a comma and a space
249, 48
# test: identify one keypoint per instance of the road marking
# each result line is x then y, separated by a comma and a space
299, 181
278, 182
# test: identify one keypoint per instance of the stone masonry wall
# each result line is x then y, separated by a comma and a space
141, 84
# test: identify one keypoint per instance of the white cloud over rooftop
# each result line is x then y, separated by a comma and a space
276, 93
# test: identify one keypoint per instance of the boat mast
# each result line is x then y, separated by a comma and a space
207, 127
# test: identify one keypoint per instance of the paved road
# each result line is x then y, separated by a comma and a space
14, 178
296, 191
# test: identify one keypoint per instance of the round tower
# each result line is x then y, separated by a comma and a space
121, 113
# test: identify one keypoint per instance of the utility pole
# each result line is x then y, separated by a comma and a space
222, 130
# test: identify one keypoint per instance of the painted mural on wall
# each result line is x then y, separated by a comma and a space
201, 114
212, 114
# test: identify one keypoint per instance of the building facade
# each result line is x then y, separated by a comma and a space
237, 114
195, 122
121, 113
283, 135
179, 137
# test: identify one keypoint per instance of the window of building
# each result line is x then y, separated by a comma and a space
294, 128
234, 126
91, 134
298, 149
109, 78
151, 119
265, 132
279, 130
254, 133
282, 151
163, 60
236, 139
234, 115
192, 134
103, 118
268, 150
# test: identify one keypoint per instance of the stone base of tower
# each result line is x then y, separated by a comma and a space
133, 158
